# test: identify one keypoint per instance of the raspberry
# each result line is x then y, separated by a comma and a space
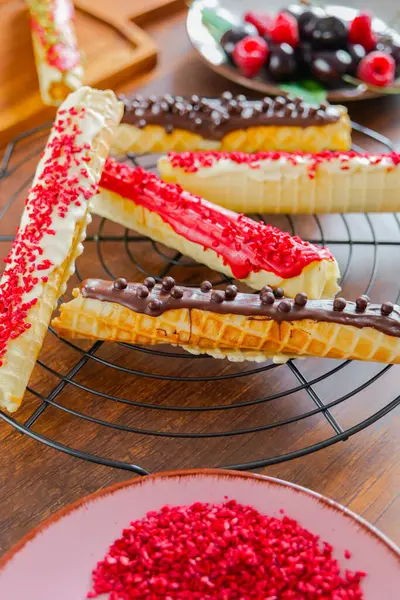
285, 30
261, 21
360, 31
250, 55
377, 68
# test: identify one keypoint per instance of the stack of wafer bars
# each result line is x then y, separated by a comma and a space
288, 146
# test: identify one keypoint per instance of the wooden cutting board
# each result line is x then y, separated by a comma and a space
115, 49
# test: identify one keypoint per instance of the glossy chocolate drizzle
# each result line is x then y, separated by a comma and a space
213, 118
253, 306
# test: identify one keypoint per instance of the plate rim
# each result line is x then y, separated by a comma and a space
179, 474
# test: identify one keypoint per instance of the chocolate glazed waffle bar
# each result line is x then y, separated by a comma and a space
227, 123
290, 183
51, 230
225, 241
230, 324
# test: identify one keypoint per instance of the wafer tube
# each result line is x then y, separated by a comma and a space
52, 228
58, 60
297, 183
239, 247
227, 323
230, 125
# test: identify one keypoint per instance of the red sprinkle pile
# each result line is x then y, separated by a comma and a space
245, 245
190, 162
222, 551
56, 189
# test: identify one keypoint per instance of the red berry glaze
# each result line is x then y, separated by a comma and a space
245, 245
377, 68
360, 31
285, 30
250, 55
261, 21
223, 551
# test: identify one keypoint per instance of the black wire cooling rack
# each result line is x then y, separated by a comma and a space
216, 405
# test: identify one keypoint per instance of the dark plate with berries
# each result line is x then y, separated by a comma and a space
339, 52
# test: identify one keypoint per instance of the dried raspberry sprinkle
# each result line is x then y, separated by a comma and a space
245, 245
221, 551
53, 192
191, 162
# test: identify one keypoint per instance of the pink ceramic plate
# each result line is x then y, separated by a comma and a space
54, 562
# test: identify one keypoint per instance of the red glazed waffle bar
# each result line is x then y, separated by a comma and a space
233, 244
291, 183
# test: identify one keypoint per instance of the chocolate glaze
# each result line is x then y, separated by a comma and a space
249, 305
213, 118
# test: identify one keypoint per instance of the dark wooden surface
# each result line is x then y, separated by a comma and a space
363, 473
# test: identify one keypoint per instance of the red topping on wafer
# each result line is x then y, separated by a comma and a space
53, 193
191, 162
245, 245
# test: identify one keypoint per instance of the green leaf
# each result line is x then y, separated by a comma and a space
312, 92
215, 23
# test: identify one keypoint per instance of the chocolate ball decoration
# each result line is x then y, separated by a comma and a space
168, 283
339, 304
149, 282
176, 293
284, 306
267, 298
387, 308
301, 299
120, 283
142, 291
362, 303
206, 286
217, 296
231, 292
278, 293
155, 305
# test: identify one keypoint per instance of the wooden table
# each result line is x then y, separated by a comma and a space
363, 473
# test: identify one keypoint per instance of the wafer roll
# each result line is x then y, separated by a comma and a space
58, 60
297, 183
52, 228
239, 247
230, 124
227, 323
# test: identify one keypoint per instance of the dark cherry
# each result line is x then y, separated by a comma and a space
282, 62
304, 52
307, 20
231, 37
357, 53
329, 66
329, 33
